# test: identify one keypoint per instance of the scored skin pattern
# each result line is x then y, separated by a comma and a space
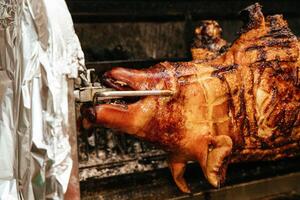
242, 105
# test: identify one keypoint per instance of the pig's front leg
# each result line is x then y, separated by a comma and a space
177, 165
212, 153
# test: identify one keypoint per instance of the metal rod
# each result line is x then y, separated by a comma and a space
136, 93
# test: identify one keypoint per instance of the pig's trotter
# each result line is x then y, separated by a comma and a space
177, 168
217, 160
212, 153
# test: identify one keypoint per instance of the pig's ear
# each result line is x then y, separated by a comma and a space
218, 159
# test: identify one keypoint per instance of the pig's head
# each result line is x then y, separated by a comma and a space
132, 117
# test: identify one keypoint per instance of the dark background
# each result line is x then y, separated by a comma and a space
153, 29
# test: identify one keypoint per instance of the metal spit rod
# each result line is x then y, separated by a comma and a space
119, 94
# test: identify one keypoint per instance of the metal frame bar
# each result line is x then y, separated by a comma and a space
170, 10
73, 191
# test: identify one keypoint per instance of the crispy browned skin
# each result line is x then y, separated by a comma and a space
243, 105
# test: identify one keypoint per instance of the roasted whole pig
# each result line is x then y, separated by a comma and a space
242, 105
